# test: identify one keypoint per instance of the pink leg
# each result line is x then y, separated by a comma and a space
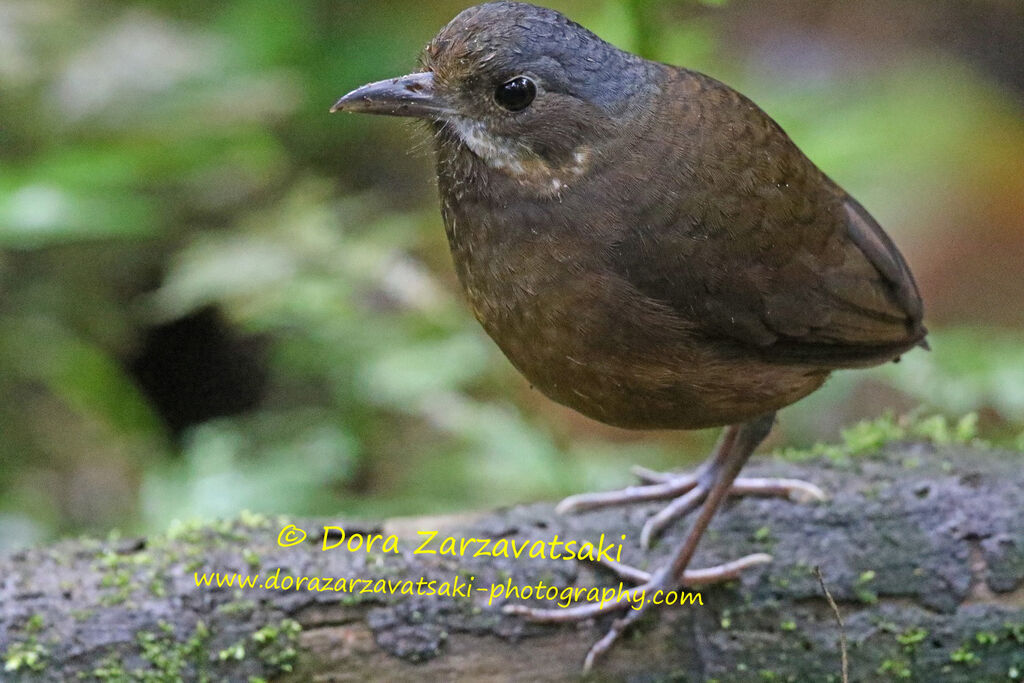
735, 448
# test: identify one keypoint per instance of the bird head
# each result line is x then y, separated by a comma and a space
522, 87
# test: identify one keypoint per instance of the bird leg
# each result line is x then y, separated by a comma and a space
687, 491
735, 448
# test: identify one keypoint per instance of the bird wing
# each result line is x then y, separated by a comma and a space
760, 249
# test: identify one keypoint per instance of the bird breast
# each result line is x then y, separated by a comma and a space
535, 273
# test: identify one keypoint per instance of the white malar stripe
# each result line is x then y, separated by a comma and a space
497, 152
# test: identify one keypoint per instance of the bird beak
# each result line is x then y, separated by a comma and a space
411, 95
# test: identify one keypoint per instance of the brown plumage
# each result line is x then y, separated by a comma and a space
725, 285
644, 243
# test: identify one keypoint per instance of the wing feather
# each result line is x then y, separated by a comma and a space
764, 252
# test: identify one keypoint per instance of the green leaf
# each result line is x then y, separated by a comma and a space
84, 375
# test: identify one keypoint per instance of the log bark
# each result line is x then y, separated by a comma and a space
922, 548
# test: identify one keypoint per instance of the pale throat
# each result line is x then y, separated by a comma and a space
518, 161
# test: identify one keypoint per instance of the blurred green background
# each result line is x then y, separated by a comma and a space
215, 296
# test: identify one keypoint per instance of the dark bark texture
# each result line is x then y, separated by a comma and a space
922, 548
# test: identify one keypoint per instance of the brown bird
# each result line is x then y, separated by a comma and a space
648, 247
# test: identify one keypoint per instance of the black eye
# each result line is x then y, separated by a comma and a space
516, 94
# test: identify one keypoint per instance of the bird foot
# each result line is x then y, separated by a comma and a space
649, 589
686, 492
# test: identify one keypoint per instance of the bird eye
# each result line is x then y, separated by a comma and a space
516, 94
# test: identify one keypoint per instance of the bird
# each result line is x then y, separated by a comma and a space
648, 247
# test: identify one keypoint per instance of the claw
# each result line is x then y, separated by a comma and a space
670, 488
645, 582
648, 583
625, 572
795, 489
709, 488
649, 476
686, 492
619, 627
668, 514
692, 578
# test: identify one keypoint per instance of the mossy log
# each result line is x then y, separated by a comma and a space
922, 548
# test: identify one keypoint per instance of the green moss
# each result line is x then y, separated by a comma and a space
986, 638
232, 652
35, 623
167, 658
963, 655
191, 531
237, 607
252, 558
869, 436
910, 638
110, 668
157, 588
29, 655
118, 572
117, 597
277, 646
863, 590
896, 668
118, 579
112, 559
253, 520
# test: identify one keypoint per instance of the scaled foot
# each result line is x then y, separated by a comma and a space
704, 491
646, 587
686, 492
